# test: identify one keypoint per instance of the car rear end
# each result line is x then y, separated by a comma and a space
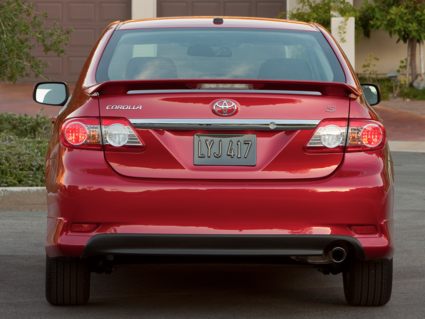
221, 141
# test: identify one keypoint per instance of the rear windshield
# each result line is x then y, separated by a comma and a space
219, 54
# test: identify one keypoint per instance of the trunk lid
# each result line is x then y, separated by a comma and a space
174, 120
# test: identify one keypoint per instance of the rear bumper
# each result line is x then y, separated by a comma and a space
217, 245
359, 193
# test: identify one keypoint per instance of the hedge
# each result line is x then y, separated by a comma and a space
23, 146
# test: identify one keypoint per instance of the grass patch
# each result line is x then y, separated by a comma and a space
23, 147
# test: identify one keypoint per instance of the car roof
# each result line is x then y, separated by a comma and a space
205, 22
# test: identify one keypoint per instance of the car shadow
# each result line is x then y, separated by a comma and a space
199, 287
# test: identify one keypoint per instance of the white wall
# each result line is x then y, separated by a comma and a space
142, 9
290, 6
381, 45
343, 30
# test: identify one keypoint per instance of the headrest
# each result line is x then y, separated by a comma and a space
151, 68
286, 69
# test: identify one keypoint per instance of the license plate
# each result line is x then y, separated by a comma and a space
225, 150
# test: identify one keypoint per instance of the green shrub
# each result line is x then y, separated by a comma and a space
390, 89
386, 86
23, 147
412, 93
25, 126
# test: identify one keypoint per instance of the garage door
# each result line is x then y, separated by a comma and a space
248, 8
87, 19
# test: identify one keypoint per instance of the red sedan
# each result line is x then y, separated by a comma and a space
218, 140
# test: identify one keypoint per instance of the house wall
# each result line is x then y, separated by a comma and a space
381, 45
165, 8
141, 9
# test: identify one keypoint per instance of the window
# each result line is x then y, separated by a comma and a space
219, 54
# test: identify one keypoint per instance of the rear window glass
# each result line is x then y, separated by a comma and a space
219, 54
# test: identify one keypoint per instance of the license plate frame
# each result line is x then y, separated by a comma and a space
217, 150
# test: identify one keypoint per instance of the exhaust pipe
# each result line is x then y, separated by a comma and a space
337, 255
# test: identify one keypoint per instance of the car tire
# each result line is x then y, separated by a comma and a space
368, 283
67, 281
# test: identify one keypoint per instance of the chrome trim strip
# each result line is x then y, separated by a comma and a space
225, 124
285, 92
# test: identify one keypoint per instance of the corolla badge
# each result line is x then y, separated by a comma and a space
124, 107
225, 107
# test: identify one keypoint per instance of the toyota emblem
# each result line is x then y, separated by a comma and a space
225, 107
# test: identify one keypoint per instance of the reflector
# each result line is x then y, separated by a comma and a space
364, 229
83, 228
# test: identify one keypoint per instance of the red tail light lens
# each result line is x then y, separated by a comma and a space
75, 133
88, 133
82, 133
361, 135
372, 135
365, 135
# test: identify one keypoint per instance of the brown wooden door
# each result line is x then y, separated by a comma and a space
248, 8
87, 19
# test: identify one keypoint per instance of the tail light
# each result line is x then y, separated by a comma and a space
334, 136
76, 133
87, 133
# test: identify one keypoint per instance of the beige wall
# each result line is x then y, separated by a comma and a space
379, 44
384, 47
141, 9
344, 32
291, 5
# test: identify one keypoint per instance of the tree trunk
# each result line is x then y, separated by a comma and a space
412, 44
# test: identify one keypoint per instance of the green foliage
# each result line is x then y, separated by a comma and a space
386, 86
321, 11
21, 29
369, 67
404, 19
412, 93
23, 145
391, 89
38, 127
403, 77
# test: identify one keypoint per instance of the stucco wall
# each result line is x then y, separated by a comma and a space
141, 9
384, 47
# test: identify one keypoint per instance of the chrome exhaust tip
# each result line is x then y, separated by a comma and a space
337, 255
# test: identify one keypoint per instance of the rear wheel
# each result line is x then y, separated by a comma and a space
368, 283
67, 281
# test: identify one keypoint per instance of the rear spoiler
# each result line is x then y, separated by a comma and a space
224, 85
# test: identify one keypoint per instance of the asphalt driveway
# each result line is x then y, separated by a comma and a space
218, 291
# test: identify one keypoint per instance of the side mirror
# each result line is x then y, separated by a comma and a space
51, 93
371, 93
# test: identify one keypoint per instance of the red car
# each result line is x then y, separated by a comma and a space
219, 140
